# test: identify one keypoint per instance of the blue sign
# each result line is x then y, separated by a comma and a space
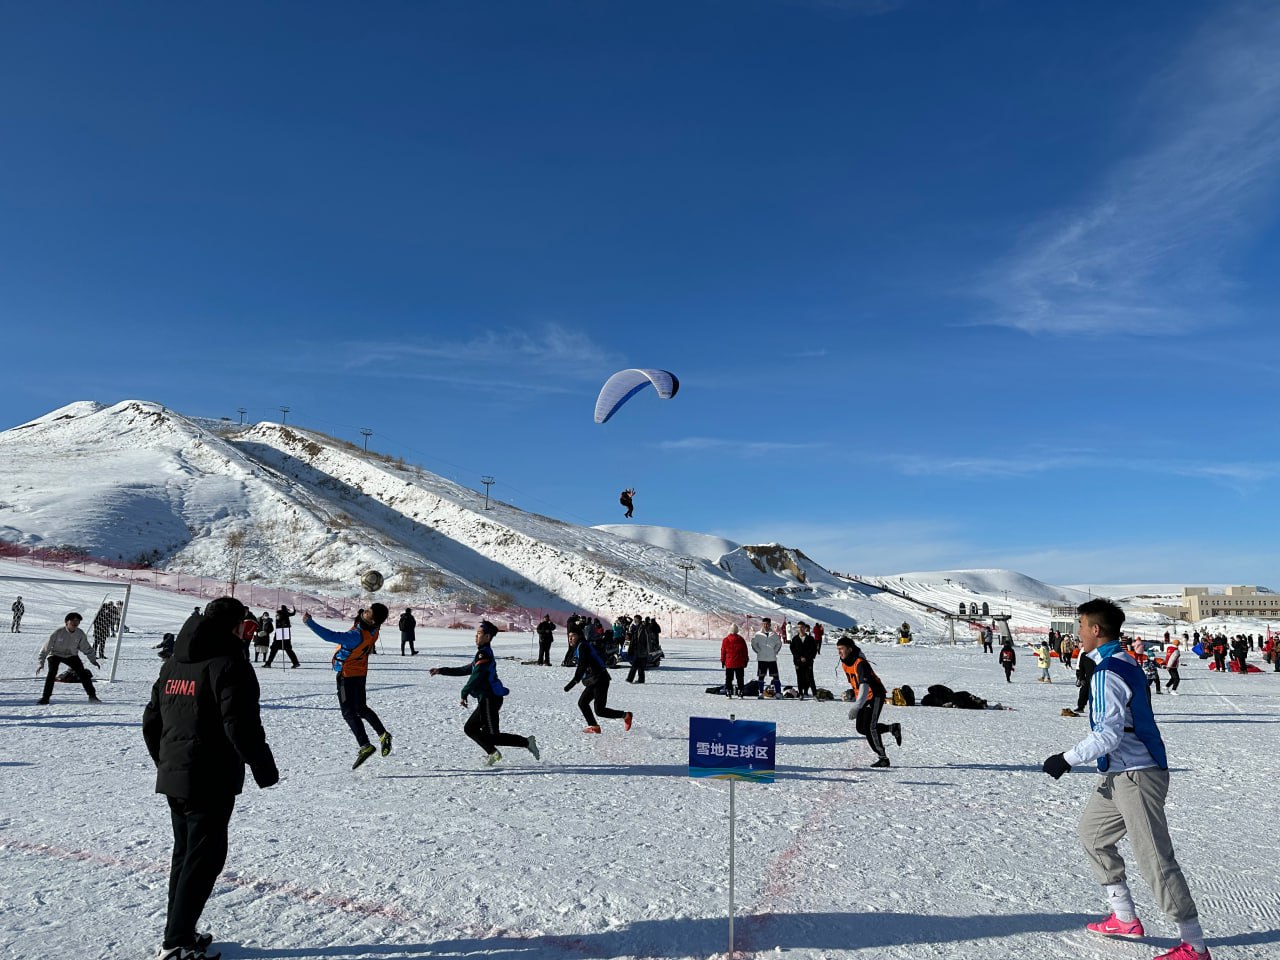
732, 749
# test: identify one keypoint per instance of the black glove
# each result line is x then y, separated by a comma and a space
568, 687
1056, 766
265, 773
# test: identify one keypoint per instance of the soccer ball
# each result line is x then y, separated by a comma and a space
371, 580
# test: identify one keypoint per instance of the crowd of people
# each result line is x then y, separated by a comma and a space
202, 724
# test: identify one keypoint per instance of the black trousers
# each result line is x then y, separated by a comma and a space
199, 853
76, 667
351, 693
868, 724
636, 673
597, 693
1220, 661
544, 651
1008, 672
277, 646
406, 636
1174, 679
484, 726
731, 674
986, 646
767, 668
804, 678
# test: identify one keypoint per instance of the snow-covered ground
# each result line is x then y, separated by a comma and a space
606, 848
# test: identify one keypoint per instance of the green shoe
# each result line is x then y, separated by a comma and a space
533, 748
385, 740
364, 754
490, 760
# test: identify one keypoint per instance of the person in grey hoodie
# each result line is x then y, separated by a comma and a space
766, 645
65, 646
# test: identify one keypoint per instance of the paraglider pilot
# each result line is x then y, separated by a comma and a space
625, 499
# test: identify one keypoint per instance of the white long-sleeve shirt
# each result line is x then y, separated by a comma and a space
1111, 721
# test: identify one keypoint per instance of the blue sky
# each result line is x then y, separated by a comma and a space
947, 284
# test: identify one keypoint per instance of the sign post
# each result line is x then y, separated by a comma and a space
732, 750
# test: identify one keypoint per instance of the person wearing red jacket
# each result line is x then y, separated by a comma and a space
734, 658
248, 629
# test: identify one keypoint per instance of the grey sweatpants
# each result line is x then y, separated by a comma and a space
1132, 803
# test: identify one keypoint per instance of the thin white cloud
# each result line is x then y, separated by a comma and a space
1146, 254
1013, 465
742, 448
550, 351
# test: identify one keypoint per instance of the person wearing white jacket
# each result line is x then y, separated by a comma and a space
1172, 660
766, 645
1129, 797
64, 646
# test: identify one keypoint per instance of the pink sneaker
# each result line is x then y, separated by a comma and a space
1113, 926
1184, 951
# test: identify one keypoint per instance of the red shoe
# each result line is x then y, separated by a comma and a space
1184, 951
626, 721
590, 729
1113, 926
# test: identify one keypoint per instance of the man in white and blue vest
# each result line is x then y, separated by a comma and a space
1129, 798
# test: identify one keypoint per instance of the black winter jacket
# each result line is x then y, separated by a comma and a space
202, 725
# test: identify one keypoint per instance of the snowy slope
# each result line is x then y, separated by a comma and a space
683, 542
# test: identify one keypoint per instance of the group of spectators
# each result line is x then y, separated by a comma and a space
639, 638
804, 645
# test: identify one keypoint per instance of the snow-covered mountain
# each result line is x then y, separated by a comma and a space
286, 507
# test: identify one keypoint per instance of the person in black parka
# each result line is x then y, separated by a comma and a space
407, 624
202, 727
546, 633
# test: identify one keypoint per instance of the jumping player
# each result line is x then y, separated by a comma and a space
869, 700
484, 724
351, 664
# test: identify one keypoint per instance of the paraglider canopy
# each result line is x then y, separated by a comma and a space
625, 384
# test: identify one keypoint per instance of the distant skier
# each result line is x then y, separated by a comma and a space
484, 726
407, 624
19, 608
624, 498
351, 664
868, 701
594, 676
65, 646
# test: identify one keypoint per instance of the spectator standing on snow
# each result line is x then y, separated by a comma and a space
202, 727
1007, 659
546, 634
1220, 654
594, 676
803, 650
65, 646
18, 608
407, 624
283, 638
262, 638
1173, 660
1068, 651
869, 698
248, 630
1043, 660
734, 659
102, 622
818, 633
1152, 672
637, 650
766, 645
986, 640
1240, 654
1129, 798
351, 664
484, 726
1084, 678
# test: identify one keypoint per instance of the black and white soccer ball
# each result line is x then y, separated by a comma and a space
371, 580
